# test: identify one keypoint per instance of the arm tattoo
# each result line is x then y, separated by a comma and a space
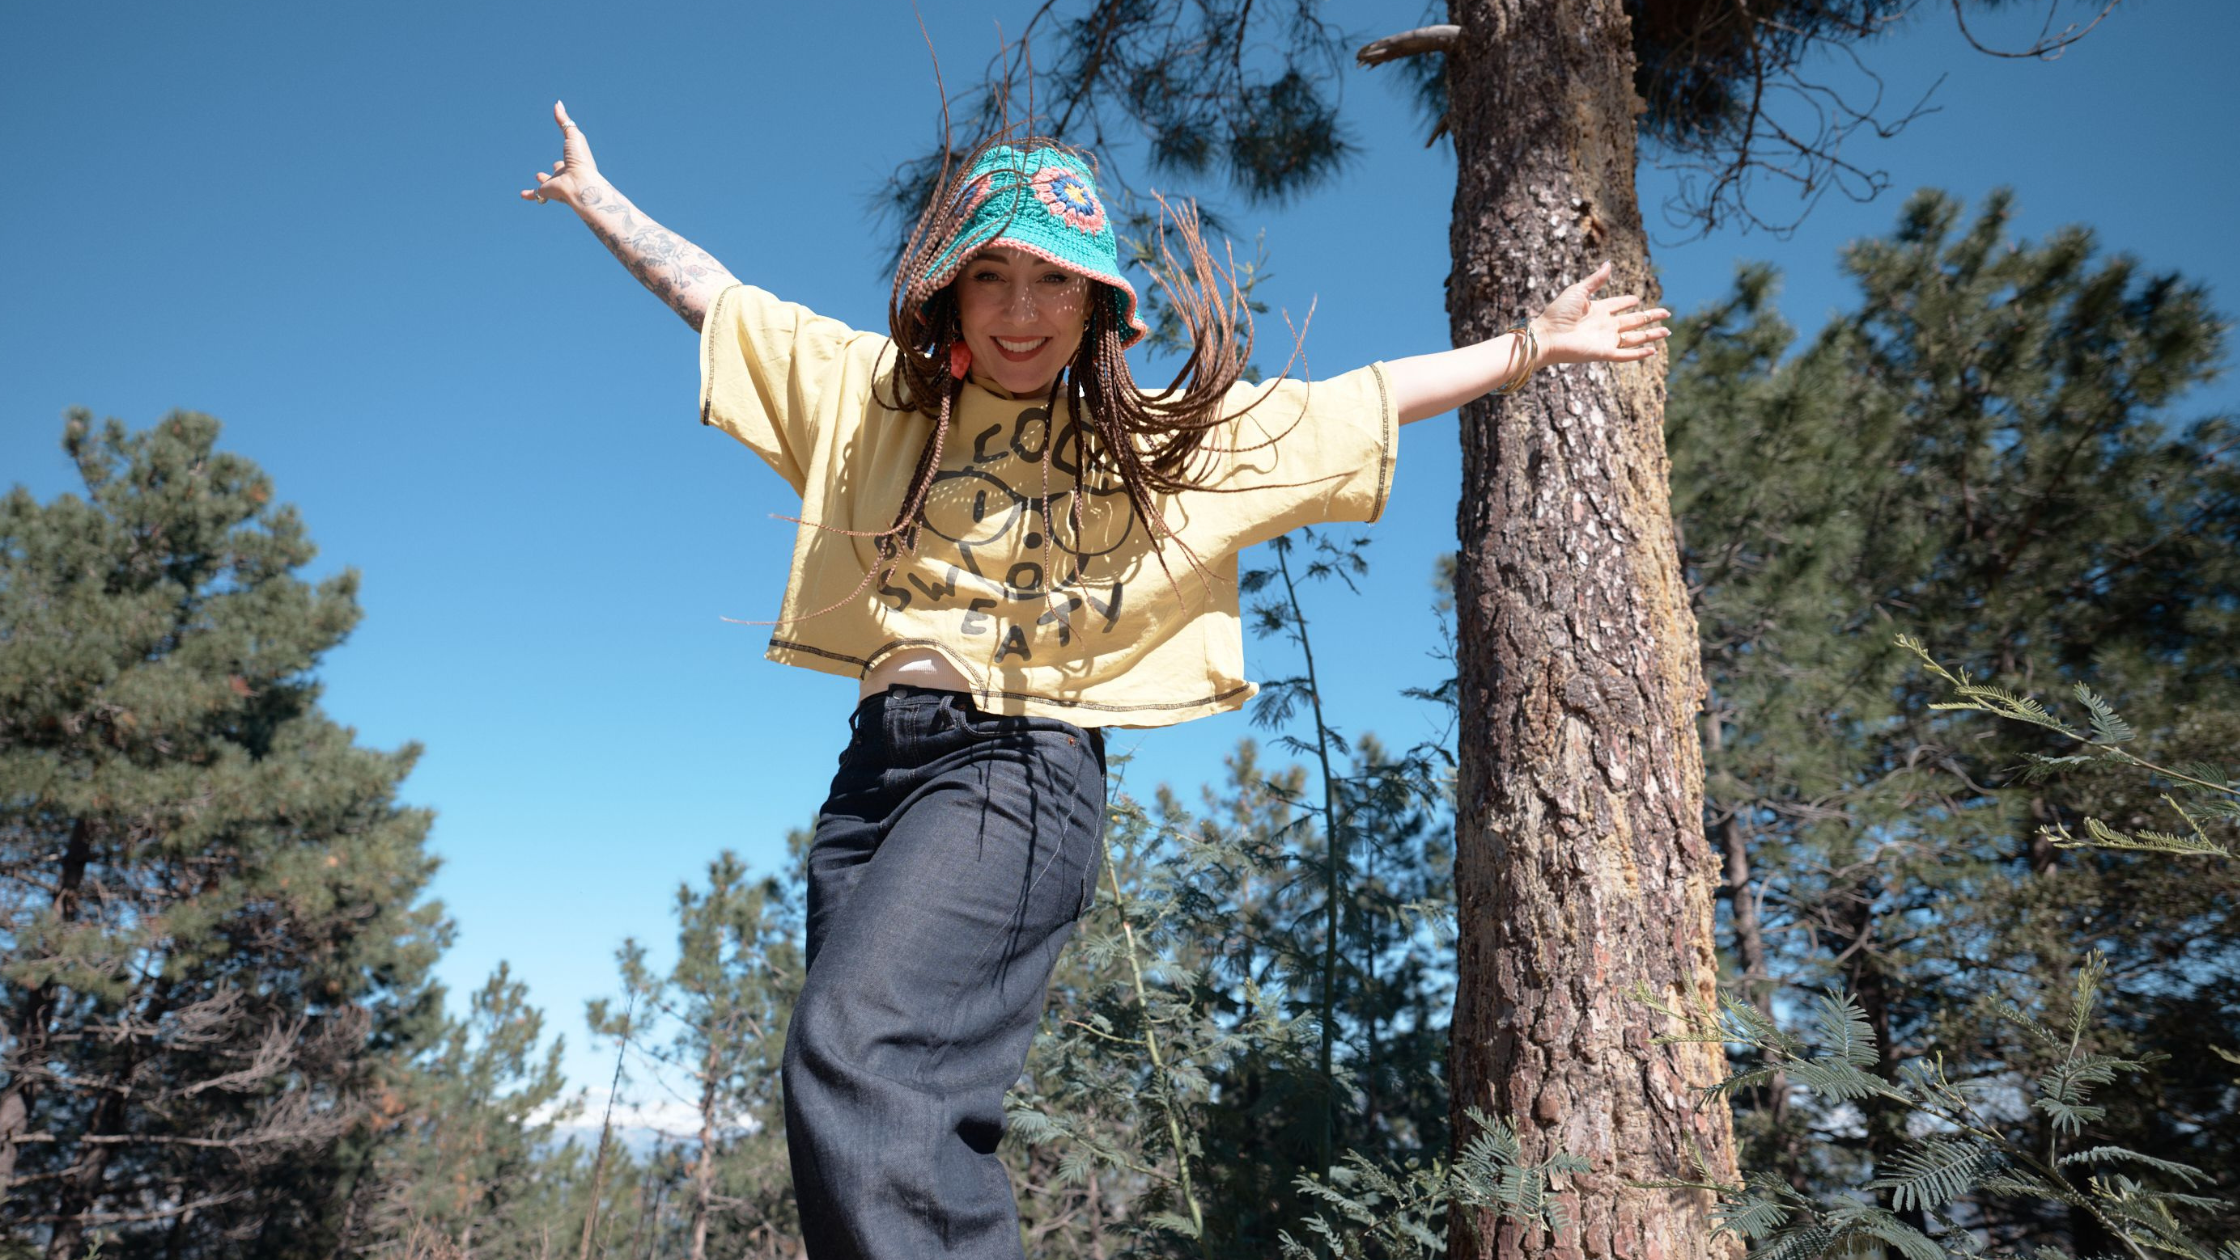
677, 271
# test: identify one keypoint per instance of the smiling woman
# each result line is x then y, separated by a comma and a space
990, 510
1022, 319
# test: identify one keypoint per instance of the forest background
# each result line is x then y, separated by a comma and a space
304, 227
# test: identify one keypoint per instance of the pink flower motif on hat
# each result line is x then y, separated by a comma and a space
1069, 197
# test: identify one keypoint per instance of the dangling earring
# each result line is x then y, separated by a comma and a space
960, 359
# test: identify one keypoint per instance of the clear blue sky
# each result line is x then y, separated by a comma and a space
301, 219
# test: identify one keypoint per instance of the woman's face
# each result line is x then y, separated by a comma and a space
1023, 318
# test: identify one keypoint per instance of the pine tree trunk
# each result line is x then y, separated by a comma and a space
1582, 870
1750, 956
704, 1168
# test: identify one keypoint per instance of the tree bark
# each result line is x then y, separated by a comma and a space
1581, 868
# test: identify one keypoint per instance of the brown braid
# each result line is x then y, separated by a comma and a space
1155, 443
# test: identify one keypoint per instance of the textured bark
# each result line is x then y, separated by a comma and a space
1582, 870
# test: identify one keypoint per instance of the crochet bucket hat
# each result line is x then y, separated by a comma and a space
1043, 201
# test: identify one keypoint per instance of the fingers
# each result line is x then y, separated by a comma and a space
560, 115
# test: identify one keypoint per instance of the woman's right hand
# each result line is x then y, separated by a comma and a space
574, 173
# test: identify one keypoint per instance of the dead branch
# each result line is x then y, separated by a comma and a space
126, 1218
2048, 47
1424, 39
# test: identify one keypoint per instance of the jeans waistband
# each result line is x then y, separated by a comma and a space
906, 695
881, 709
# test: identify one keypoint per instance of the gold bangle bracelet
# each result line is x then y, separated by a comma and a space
1524, 333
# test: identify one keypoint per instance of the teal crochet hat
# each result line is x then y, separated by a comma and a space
1043, 201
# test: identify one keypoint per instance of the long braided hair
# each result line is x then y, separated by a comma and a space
1153, 443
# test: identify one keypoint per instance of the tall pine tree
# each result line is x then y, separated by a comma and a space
216, 949
1987, 453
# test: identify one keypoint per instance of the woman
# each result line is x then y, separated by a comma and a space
1013, 548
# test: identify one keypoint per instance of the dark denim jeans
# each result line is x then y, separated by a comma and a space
951, 861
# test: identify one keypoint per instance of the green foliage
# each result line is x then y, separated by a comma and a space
1989, 446
1972, 1017
1223, 88
712, 1032
1370, 1211
2203, 783
215, 959
1252, 1004
466, 1153
1960, 1153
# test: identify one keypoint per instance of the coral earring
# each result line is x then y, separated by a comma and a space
960, 360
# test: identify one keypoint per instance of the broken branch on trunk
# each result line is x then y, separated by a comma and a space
1424, 39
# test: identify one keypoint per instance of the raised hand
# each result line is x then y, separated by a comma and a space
1579, 328
575, 172
678, 272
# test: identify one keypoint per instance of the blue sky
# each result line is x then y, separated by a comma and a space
301, 219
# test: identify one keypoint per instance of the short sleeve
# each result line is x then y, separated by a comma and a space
775, 375
1305, 453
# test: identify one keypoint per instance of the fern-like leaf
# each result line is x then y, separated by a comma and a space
1801, 1243
2186, 1173
2022, 1185
2207, 772
1936, 1172
1843, 1030
2069, 1119
1873, 1222
2100, 835
2107, 728
1753, 1216
1836, 1079
1174, 1224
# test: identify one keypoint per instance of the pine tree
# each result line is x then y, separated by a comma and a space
216, 951
1987, 454
465, 1153
716, 1025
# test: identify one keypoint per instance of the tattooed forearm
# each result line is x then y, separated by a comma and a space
677, 271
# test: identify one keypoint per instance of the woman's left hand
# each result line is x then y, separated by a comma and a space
1579, 328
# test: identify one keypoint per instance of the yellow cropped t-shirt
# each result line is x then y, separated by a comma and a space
1044, 618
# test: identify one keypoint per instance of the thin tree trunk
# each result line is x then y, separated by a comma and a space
638, 1230
1870, 987
598, 1184
1750, 952
704, 1168
1581, 866
82, 1187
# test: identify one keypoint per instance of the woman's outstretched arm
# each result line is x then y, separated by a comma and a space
1575, 328
678, 272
